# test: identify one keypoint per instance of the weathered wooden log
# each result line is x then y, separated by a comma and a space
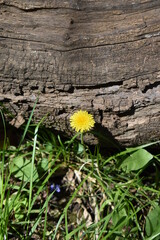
102, 56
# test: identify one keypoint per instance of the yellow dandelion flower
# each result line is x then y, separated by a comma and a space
82, 121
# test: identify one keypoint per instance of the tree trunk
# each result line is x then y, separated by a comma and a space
102, 56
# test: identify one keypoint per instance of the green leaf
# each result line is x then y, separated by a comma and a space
118, 216
152, 226
22, 169
136, 160
80, 148
49, 147
43, 165
19, 208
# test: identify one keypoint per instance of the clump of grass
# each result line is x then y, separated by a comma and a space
54, 189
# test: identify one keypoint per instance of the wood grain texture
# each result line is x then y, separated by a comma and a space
101, 56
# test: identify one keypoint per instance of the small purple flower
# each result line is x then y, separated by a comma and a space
55, 187
52, 187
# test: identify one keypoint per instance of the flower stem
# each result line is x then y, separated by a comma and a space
82, 138
84, 147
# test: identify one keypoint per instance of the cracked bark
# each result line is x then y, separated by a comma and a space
101, 56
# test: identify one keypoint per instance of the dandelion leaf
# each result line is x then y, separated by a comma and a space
136, 160
22, 169
152, 226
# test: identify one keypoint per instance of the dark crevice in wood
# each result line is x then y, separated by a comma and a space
72, 21
24, 100
61, 111
129, 112
149, 35
17, 94
101, 115
71, 90
6, 100
102, 85
43, 90
34, 9
34, 88
101, 45
22, 39
151, 86
77, 48
21, 90
143, 74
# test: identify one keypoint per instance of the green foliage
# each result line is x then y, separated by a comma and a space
21, 168
137, 160
114, 197
152, 226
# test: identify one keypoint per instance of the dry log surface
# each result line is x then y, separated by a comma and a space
102, 56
